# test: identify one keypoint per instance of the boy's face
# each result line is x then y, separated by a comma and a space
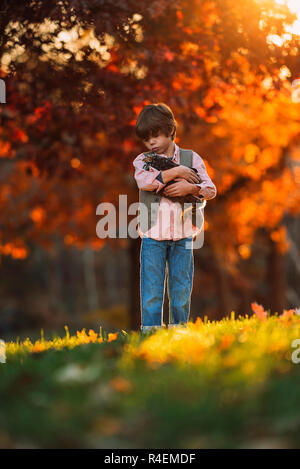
159, 143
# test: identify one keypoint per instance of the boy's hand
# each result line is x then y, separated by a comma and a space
188, 174
180, 188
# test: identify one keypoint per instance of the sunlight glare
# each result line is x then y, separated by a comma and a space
294, 6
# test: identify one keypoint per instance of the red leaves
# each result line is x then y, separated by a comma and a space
112, 68
128, 145
168, 55
19, 134
41, 115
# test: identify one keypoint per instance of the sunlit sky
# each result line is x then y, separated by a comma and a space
294, 6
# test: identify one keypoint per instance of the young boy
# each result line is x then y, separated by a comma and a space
164, 239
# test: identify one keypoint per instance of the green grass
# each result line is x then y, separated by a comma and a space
226, 384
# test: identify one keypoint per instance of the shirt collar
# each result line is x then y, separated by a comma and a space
176, 150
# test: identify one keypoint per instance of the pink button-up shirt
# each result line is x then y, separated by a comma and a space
169, 223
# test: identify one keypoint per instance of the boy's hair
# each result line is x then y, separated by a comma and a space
155, 118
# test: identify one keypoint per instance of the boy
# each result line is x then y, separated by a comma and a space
164, 239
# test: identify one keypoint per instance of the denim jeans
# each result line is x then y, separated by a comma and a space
155, 257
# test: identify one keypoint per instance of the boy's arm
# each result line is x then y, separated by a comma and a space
206, 187
152, 179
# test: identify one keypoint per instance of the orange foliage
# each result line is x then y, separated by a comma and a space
287, 314
179, 15
37, 214
259, 311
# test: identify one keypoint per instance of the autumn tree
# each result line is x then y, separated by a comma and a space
77, 75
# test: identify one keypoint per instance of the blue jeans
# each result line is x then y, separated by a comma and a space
178, 257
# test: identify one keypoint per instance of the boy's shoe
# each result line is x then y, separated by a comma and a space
177, 325
152, 328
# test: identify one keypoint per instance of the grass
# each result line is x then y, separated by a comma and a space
212, 384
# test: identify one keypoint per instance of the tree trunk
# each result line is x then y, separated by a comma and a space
90, 279
223, 291
277, 280
55, 270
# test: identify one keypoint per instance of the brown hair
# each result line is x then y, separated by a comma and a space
155, 118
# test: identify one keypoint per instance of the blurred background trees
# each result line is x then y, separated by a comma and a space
77, 74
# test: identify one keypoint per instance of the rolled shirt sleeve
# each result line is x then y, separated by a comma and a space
206, 187
147, 180
159, 177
